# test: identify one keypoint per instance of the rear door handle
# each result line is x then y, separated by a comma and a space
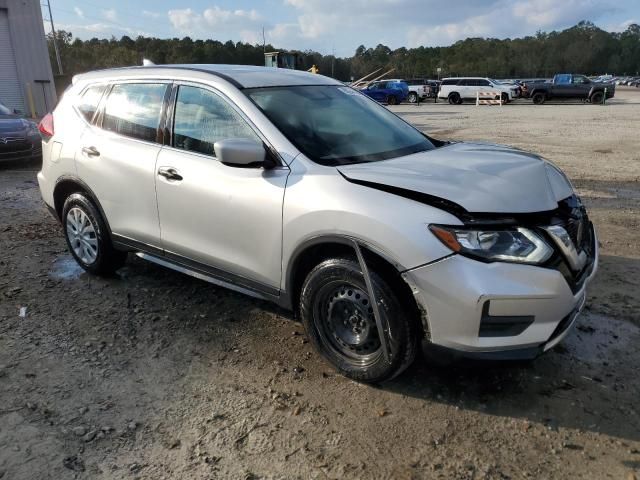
90, 151
169, 173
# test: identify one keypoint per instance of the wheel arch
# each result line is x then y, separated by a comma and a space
68, 185
313, 251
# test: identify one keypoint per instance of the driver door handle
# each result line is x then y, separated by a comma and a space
169, 173
90, 151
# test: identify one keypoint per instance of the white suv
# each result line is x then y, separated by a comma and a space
456, 90
291, 187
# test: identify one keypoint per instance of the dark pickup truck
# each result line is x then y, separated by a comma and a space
568, 86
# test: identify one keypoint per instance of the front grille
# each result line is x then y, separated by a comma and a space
14, 146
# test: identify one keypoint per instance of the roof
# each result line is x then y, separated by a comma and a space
242, 76
466, 78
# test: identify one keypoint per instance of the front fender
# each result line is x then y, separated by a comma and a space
321, 206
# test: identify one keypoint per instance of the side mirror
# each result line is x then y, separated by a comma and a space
240, 152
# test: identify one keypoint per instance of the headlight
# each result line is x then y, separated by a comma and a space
33, 130
519, 245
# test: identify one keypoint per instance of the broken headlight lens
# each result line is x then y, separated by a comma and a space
520, 245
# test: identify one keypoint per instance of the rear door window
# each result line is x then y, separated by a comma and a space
89, 100
134, 109
203, 118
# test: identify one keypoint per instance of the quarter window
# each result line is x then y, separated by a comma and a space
89, 101
134, 109
202, 118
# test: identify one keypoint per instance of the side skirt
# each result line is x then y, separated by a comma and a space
200, 271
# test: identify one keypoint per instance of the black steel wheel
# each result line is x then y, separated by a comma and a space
454, 98
337, 314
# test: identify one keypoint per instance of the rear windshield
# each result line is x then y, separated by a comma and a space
335, 125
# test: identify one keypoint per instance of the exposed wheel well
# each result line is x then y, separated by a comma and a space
62, 191
306, 260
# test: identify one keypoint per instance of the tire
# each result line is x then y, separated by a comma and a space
392, 100
538, 98
413, 97
596, 98
505, 98
88, 238
454, 98
336, 313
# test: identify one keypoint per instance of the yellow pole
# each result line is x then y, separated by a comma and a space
30, 99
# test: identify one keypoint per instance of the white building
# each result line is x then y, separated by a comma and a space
26, 81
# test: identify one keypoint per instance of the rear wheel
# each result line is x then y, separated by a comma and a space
392, 100
596, 98
87, 236
413, 97
538, 98
454, 98
336, 311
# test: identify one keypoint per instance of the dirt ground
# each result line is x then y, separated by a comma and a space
155, 375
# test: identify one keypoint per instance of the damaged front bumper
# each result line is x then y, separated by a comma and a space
498, 310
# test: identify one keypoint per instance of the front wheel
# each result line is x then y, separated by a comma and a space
505, 98
413, 97
454, 98
336, 311
87, 237
392, 100
596, 98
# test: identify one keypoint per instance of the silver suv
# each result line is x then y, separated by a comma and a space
294, 188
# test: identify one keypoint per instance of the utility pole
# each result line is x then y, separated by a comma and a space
55, 39
263, 41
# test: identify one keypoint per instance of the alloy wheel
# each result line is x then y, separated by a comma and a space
82, 235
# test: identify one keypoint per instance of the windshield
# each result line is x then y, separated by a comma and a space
4, 110
335, 125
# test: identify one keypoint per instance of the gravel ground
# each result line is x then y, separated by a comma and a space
152, 374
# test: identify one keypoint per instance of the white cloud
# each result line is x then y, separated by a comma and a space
79, 12
219, 23
101, 29
110, 14
344, 24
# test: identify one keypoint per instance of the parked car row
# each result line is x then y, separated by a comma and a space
629, 81
393, 91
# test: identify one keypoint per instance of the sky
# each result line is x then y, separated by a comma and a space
335, 26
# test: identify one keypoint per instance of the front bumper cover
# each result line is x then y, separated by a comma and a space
455, 292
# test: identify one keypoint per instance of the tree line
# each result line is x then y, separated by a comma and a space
584, 48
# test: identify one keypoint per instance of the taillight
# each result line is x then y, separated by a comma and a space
46, 126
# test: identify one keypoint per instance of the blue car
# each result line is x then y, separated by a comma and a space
391, 92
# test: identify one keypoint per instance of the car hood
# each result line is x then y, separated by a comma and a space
10, 124
480, 178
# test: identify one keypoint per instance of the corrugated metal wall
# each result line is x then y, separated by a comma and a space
32, 63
